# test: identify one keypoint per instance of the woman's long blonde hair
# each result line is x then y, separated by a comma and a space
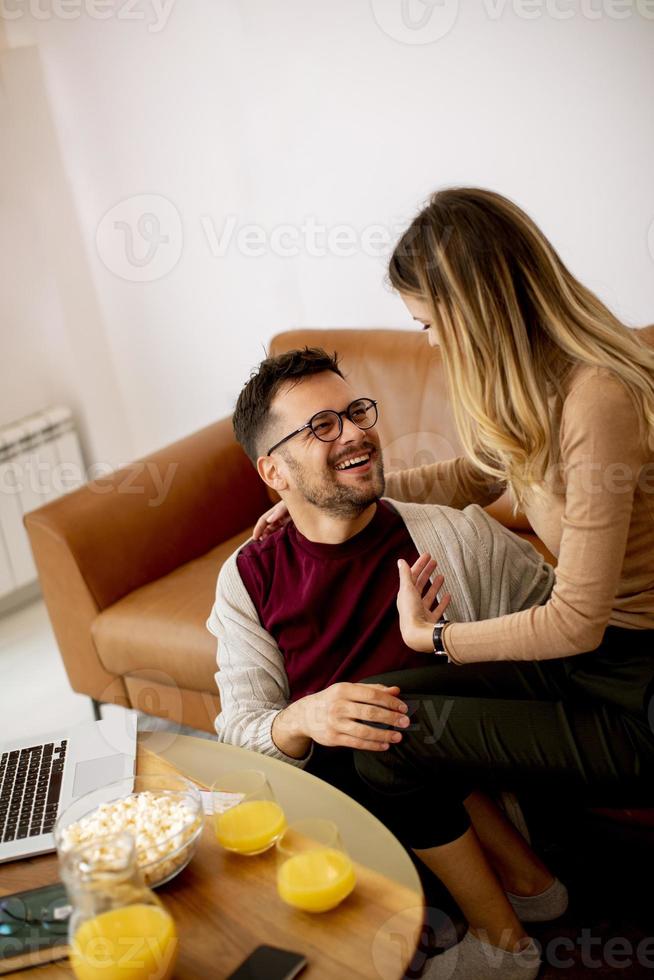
511, 321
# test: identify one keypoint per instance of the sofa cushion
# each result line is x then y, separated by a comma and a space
159, 630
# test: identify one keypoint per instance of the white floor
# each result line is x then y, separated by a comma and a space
35, 695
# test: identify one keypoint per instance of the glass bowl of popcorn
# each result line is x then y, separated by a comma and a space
163, 813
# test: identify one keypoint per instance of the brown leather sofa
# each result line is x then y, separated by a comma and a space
129, 578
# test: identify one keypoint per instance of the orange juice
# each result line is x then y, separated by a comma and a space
250, 827
316, 880
135, 942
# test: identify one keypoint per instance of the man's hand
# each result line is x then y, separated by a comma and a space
271, 521
417, 617
337, 716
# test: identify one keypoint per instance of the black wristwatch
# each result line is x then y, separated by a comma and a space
437, 637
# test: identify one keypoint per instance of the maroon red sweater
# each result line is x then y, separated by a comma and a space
331, 607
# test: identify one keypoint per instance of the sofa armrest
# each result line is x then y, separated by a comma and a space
143, 521
116, 534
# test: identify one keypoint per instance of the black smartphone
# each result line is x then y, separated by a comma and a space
33, 927
269, 963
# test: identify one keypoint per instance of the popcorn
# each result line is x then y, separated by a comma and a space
160, 823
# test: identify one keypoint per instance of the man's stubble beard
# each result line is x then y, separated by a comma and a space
336, 499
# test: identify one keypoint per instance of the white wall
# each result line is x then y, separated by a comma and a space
53, 345
333, 111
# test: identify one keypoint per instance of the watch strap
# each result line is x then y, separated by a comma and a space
437, 638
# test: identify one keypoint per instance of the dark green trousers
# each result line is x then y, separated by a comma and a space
574, 728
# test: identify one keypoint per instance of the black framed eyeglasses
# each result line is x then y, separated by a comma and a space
328, 425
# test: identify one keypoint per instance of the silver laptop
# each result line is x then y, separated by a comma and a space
40, 777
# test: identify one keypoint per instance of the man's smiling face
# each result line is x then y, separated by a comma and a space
342, 477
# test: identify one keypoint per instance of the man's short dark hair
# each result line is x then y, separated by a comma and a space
252, 413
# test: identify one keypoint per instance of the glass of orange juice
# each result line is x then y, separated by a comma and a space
247, 817
118, 927
314, 871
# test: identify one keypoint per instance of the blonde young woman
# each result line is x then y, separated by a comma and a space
554, 399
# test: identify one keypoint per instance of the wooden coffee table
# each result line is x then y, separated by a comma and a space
225, 905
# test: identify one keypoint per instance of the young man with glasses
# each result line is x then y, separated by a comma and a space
305, 615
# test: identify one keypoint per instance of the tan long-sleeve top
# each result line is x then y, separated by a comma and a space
596, 514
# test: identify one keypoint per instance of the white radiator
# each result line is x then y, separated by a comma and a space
40, 459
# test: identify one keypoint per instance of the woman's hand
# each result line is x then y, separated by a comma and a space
417, 617
271, 521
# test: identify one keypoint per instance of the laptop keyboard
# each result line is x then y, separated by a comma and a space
30, 786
